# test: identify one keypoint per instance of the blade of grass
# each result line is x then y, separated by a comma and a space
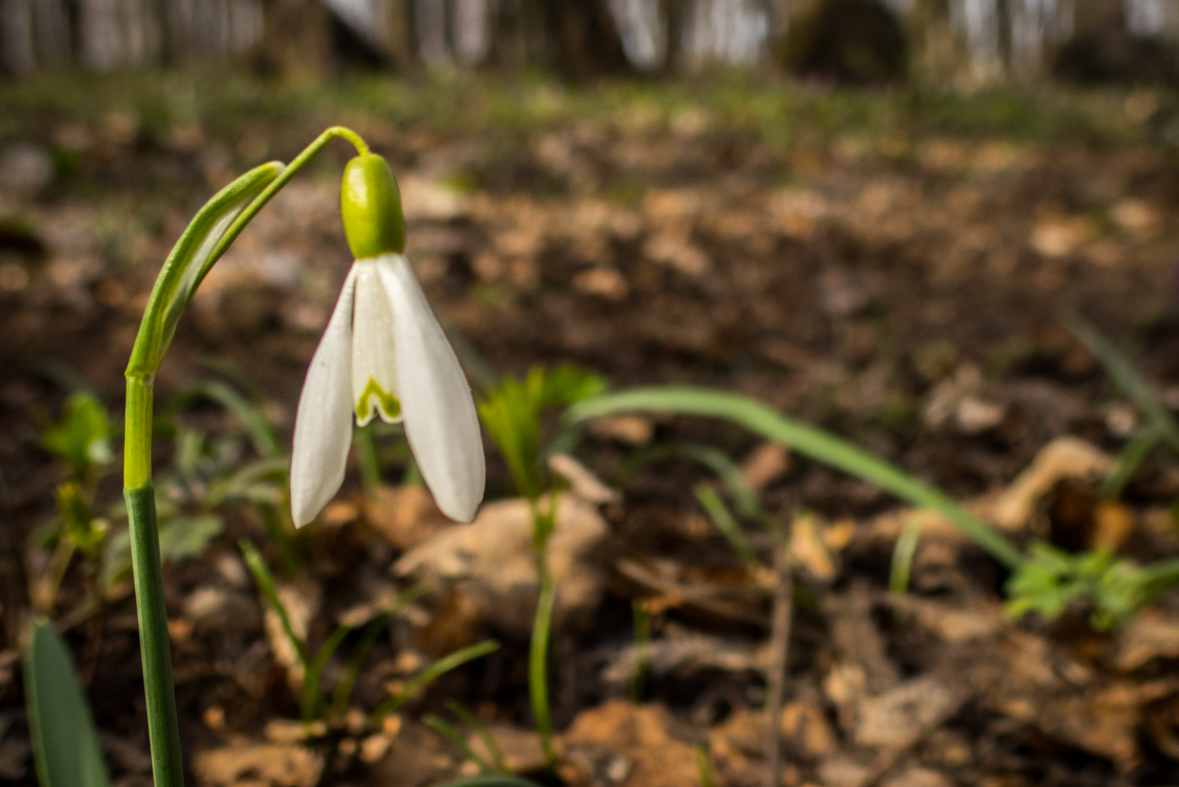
642, 615
1128, 461
455, 739
703, 767
368, 638
806, 440
265, 583
431, 673
1126, 377
902, 555
726, 523
746, 500
309, 703
480, 729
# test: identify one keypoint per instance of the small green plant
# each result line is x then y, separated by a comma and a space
82, 440
513, 414
1114, 589
315, 704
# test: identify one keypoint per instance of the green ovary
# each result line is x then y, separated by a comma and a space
388, 405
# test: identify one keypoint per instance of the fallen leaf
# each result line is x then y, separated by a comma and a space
630, 742
277, 765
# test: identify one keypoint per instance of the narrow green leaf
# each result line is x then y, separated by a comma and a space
257, 427
431, 673
195, 252
455, 739
726, 523
265, 583
480, 729
65, 743
806, 440
1126, 377
309, 704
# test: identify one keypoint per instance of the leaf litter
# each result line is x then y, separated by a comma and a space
908, 302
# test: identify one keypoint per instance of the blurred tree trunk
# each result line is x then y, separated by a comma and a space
296, 39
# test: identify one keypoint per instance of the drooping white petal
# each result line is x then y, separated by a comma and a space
440, 420
374, 363
323, 422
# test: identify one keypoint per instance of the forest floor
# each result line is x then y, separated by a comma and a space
890, 266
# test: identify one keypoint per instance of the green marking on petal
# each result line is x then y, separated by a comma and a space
388, 405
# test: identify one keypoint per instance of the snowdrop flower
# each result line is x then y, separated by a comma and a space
384, 354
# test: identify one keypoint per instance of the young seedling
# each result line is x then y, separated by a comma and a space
512, 414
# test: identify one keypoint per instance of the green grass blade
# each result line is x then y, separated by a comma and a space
1128, 461
309, 704
902, 555
455, 739
431, 673
65, 743
480, 729
260, 431
343, 691
726, 523
746, 500
703, 767
806, 440
265, 583
1121, 370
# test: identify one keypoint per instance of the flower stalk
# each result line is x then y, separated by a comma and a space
204, 241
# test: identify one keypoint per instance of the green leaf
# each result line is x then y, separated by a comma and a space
191, 258
1121, 370
82, 438
431, 673
512, 414
804, 439
187, 536
65, 744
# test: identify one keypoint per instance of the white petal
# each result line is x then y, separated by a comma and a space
323, 422
440, 420
374, 365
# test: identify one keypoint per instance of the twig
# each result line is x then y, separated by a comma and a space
783, 613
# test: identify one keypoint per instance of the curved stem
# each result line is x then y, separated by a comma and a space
201, 245
309, 152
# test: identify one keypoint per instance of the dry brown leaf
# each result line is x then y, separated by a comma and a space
630, 742
521, 747
276, 765
1065, 457
1148, 636
406, 516
767, 463
806, 727
489, 565
582, 482
902, 716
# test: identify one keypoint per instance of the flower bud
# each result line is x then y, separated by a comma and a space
371, 205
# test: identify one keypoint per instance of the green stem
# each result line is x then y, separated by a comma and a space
310, 152
538, 662
199, 247
154, 645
